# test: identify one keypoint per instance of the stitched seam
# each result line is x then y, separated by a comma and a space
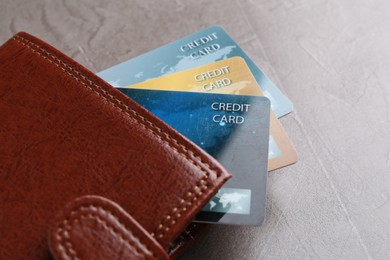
162, 228
67, 245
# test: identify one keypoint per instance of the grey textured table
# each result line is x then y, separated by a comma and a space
331, 58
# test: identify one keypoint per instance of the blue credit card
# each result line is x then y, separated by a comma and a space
234, 130
204, 47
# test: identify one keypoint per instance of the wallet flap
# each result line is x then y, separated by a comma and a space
66, 133
92, 227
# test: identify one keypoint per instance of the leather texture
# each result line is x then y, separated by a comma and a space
65, 133
89, 221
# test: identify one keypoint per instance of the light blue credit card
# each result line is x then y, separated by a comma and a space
204, 47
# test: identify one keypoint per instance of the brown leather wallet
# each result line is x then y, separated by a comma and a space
85, 172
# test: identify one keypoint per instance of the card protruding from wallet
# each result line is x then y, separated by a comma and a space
230, 76
234, 129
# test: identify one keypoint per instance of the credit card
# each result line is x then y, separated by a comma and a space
204, 47
234, 130
230, 76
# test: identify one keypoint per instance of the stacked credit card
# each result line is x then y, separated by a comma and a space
207, 88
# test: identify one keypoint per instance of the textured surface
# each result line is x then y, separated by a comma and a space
65, 133
332, 60
92, 220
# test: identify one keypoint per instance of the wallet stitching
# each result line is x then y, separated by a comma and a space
160, 228
67, 244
